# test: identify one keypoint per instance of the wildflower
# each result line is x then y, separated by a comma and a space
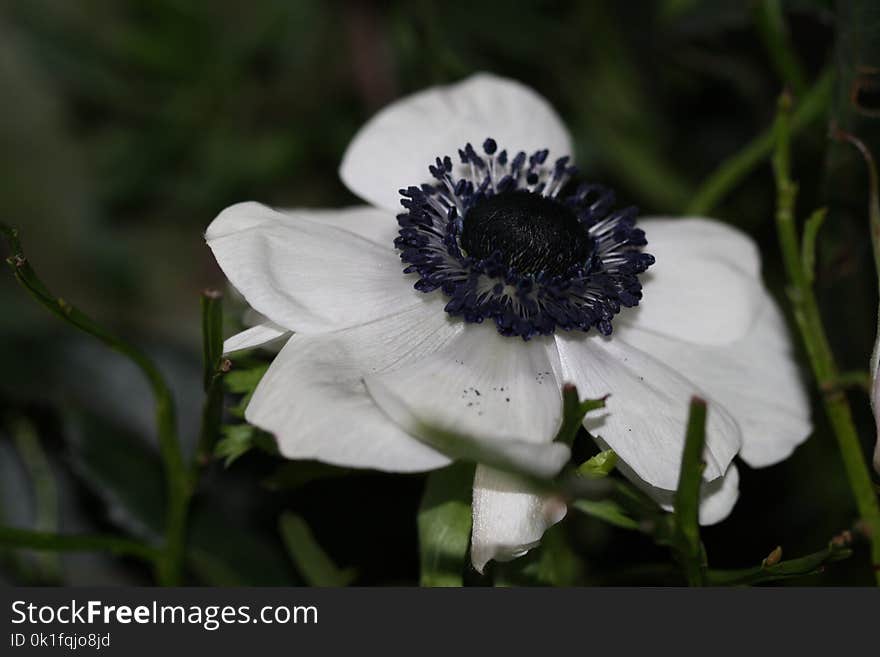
513, 281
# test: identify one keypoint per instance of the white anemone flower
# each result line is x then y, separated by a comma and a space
375, 348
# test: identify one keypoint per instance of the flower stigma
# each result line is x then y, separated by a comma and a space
530, 232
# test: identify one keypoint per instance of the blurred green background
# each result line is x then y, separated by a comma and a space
127, 125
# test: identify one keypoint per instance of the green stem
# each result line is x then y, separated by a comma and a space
212, 414
170, 567
809, 322
215, 366
800, 567
686, 535
212, 334
770, 21
734, 169
36, 540
808, 248
178, 485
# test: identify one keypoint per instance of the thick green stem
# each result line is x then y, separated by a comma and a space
215, 366
212, 413
686, 535
170, 566
809, 322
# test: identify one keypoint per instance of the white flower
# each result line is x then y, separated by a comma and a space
371, 354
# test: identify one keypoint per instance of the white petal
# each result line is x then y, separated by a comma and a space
645, 417
255, 336
306, 275
755, 379
717, 497
313, 397
379, 226
509, 520
481, 384
393, 150
705, 286
542, 460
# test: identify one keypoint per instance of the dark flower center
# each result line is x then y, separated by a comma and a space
508, 239
532, 233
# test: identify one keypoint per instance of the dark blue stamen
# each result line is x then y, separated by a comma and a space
504, 243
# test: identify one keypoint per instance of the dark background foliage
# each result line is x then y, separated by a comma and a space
127, 125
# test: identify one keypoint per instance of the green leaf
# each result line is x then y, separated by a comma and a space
244, 382
686, 536
239, 439
312, 562
608, 511
598, 466
444, 523
573, 412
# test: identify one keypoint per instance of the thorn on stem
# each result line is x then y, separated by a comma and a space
225, 365
843, 539
773, 558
